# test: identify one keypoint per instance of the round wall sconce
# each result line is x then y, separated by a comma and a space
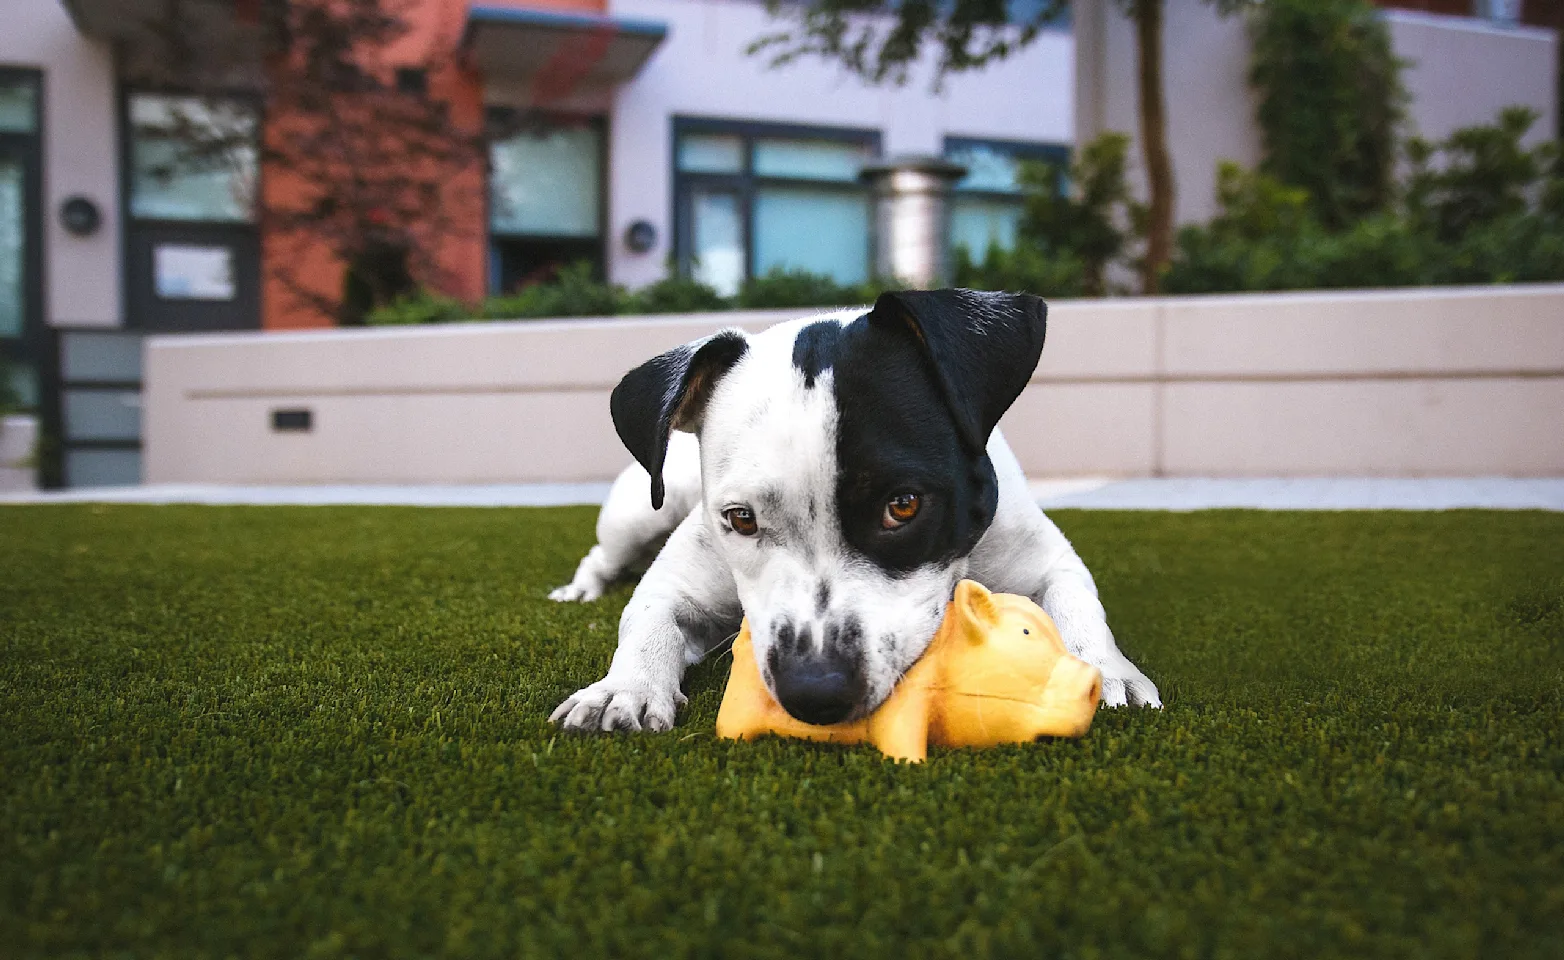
640, 236
80, 216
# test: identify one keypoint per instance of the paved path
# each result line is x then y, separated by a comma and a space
1321, 493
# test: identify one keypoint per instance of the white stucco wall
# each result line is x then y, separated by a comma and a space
1210, 108
1463, 72
82, 285
701, 69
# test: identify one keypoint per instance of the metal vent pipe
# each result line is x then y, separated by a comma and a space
912, 218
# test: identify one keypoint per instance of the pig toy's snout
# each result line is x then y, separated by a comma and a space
1072, 695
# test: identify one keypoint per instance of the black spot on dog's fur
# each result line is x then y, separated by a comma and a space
814, 349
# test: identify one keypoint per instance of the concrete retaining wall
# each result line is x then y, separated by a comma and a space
1445, 382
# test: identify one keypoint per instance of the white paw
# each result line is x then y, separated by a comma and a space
615, 704
575, 593
1123, 687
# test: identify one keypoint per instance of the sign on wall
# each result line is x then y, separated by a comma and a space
185, 272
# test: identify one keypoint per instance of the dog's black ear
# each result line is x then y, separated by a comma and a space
983, 348
668, 392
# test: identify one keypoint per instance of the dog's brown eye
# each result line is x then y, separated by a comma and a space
742, 521
900, 509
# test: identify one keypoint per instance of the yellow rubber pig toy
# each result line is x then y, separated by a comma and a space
996, 672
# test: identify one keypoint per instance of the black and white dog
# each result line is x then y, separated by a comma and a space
832, 479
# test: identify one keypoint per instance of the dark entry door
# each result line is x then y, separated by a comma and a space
192, 256
193, 276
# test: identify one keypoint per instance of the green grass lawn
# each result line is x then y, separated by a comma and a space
284, 732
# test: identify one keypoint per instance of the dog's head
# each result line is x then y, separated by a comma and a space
844, 473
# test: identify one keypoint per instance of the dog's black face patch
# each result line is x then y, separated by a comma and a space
895, 435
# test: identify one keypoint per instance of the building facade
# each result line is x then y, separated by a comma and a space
1467, 60
637, 135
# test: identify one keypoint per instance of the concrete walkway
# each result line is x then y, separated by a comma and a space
1321, 493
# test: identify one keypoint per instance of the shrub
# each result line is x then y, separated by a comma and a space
1266, 237
800, 288
1330, 103
574, 292
1026, 269
420, 307
1485, 175
1479, 208
675, 294
1083, 229
794, 288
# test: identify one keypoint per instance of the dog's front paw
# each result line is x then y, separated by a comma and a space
575, 593
614, 704
1124, 685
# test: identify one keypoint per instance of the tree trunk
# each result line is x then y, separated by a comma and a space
1154, 144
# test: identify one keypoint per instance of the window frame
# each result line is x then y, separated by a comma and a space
497, 118
746, 184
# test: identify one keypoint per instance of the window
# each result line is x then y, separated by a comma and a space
1506, 12
18, 107
21, 236
192, 159
752, 198
13, 247
987, 205
545, 202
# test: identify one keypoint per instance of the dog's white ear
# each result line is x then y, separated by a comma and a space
668, 392
983, 347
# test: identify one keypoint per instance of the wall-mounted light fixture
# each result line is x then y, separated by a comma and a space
80, 216
640, 236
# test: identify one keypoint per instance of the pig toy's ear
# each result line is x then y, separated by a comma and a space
977, 607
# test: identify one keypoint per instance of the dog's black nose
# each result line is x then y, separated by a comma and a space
817, 689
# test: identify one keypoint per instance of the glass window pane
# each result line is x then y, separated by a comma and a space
546, 185
810, 159
13, 248
718, 241
102, 468
816, 231
102, 414
989, 167
976, 223
18, 107
705, 153
100, 356
192, 159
